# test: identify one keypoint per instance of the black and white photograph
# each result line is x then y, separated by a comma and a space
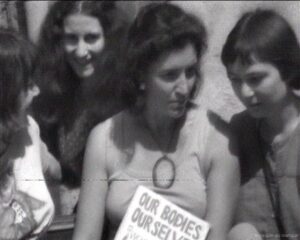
149, 120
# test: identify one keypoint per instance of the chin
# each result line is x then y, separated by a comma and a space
177, 114
85, 73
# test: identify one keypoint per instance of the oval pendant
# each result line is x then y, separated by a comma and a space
163, 173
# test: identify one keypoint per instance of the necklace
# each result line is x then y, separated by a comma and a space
164, 170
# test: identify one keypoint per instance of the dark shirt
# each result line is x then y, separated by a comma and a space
283, 161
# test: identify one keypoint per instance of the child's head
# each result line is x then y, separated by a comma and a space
16, 86
265, 36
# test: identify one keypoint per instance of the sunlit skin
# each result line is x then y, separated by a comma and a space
260, 88
170, 82
83, 43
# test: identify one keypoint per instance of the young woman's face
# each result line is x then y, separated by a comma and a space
170, 82
259, 86
83, 43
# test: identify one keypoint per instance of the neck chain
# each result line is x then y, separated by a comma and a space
164, 170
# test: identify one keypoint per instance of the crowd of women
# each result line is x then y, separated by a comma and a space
114, 108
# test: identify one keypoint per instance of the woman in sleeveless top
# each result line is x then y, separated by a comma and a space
164, 140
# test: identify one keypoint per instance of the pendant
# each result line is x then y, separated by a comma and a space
163, 173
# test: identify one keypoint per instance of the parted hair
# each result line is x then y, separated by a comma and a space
158, 28
56, 79
266, 36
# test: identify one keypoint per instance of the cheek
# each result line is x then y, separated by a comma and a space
98, 47
157, 90
68, 48
237, 89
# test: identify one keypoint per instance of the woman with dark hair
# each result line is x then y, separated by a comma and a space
163, 140
26, 208
77, 73
262, 57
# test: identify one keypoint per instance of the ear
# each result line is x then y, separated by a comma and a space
296, 92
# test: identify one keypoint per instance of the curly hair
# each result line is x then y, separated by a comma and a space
266, 36
17, 61
158, 28
56, 79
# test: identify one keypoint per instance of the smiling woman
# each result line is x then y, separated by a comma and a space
83, 42
77, 72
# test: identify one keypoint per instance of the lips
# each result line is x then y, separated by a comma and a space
178, 104
253, 106
82, 62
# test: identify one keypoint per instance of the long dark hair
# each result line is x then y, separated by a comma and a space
266, 36
17, 61
57, 81
16, 68
157, 29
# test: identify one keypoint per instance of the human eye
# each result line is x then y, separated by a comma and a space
191, 72
92, 37
170, 75
235, 80
255, 79
70, 38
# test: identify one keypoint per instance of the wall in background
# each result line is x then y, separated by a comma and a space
219, 18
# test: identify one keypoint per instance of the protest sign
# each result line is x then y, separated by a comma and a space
152, 217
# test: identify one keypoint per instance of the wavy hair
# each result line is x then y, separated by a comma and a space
265, 36
158, 28
17, 61
57, 81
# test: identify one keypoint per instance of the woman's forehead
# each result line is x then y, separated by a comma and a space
177, 58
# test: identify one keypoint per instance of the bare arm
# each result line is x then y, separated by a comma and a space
222, 188
51, 167
90, 216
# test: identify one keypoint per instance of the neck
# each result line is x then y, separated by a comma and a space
159, 124
85, 84
162, 130
283, 121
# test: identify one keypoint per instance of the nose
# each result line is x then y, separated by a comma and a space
246, 90
182, 86
82, 49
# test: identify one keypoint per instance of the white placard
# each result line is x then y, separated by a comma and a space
152, 217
